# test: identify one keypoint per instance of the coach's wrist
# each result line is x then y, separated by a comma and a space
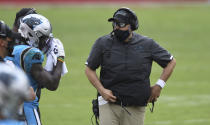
160, 83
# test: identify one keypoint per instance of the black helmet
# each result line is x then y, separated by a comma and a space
4, 30
126, 15
21, 13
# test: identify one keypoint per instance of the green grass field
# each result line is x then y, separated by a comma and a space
182, 29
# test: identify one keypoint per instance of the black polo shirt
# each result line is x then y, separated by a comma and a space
126, 67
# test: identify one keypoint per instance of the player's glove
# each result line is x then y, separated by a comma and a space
61, 52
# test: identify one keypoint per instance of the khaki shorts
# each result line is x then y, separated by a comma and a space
112, 114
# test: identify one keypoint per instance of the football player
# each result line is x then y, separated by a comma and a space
37, 30
49, 47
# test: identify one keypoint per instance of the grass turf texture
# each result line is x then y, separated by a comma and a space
183, 30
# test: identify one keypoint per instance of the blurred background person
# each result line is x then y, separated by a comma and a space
14, 89
7, 42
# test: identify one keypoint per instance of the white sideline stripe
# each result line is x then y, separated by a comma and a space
179, 122
172, 101
185, 97
37, 117
189, 100
189, 83
196, 120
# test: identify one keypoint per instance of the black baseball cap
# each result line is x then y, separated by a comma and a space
120, 16
5, 32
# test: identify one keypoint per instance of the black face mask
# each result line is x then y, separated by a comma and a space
43, 41
121, 35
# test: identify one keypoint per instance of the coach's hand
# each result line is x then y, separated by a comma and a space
155, 93
108, 95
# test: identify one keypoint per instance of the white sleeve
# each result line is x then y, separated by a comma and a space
49, 63
64, 70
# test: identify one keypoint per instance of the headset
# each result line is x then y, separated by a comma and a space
132, 18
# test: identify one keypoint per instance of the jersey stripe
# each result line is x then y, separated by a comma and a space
22, 57
37, 117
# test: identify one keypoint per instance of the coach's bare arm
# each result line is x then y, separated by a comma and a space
93, 78
49, 80
167, 71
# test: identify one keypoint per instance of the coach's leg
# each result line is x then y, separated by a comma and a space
135, 118
109, 114
31, 114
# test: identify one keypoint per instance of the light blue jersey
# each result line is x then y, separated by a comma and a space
11, 122
23, 57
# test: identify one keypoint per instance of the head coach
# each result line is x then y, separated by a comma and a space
125, 58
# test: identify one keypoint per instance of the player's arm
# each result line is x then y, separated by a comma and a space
33, 59
49, 80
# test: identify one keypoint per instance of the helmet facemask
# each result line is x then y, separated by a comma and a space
29, 34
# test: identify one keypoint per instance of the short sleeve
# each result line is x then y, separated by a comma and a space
160, 55
95, 57
32, 56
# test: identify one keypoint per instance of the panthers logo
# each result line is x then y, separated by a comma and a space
32, 22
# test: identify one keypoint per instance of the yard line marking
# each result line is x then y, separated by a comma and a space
189, 100
178, 122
